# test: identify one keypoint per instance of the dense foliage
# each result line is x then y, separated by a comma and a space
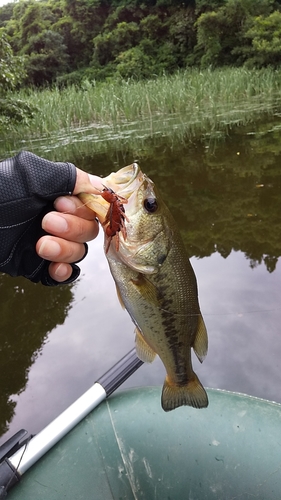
12, 73
68, 41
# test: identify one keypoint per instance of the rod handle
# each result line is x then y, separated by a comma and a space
122, 370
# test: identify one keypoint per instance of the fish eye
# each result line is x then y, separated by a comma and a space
150, 205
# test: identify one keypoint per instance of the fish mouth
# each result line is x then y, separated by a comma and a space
125, 183
126, 180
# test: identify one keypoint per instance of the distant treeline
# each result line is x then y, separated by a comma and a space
68, 41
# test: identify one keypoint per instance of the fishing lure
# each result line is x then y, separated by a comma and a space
115, 217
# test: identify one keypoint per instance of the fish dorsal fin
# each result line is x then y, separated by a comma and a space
144, 352
200, 344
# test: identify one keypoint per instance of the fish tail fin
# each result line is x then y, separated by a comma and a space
191, 394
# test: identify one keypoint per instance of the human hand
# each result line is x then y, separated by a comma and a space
69, 228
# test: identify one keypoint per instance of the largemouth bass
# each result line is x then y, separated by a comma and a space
155, 281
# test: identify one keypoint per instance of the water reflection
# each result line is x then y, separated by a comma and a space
227, 204
28, 313
224, 196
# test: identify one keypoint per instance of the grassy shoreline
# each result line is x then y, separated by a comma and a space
192, 101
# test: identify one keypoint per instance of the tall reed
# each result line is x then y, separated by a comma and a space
203, 101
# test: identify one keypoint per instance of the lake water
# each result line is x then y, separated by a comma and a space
225, 196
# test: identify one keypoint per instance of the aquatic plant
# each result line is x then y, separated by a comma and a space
187, 104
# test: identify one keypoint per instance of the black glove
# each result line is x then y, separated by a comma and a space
28, 187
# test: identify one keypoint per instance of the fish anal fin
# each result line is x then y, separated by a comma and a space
144, 352
191, 394
200, 344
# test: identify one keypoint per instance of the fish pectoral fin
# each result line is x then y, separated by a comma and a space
191, 394
144, 352
145, 288
200, 344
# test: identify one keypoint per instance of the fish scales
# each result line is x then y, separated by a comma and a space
157, 286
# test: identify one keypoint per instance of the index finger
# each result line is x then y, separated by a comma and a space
87, 183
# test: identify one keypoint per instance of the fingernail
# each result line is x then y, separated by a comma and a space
62, 271
96, 182
54, 223
49, 249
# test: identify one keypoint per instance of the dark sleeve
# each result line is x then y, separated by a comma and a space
28, 187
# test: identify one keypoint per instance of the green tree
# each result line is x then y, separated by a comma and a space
34, 33
87, 20
95, 39
32, 22
134, 63
47, 57
12, 72
6, 12
109, 45
11, 67
29, 19
182, 35
265, 37
220, 33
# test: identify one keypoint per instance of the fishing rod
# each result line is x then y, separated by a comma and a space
19, 453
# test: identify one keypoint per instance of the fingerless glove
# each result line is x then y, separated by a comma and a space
28, 186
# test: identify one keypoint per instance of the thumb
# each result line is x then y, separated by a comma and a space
87, 183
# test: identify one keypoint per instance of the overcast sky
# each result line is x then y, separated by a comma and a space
2, 2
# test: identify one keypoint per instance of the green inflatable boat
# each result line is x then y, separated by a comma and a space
128, 448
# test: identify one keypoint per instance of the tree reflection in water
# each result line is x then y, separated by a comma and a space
37, 310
